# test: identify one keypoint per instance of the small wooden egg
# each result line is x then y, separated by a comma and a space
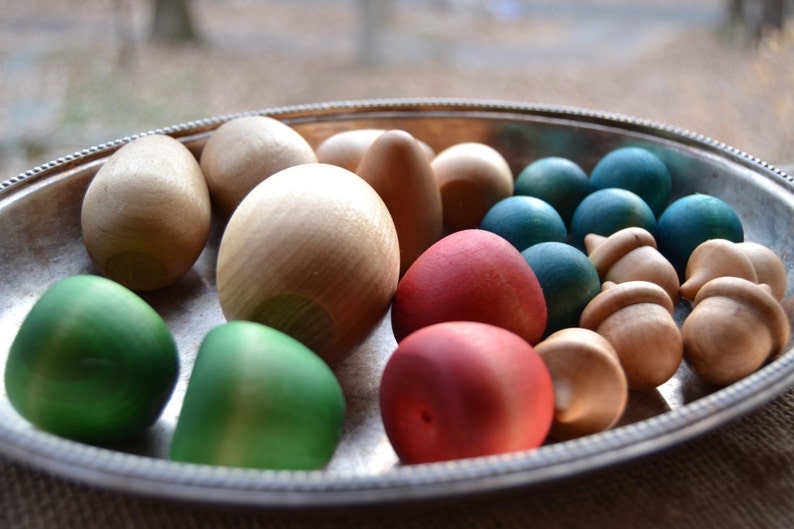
556, 180
692, 220
472, 177
769, 268
568, 279
590, 388
609, 210
470, 275
638, 170
715, 258
92, 362
258, 398
630, 254
735, 326
636, 317
346, 148
397, 168
146, 214
243, 152
312, 251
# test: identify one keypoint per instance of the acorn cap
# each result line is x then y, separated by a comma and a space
715, 258
605, 251
614, 297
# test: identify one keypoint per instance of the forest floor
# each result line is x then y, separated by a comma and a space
75, 73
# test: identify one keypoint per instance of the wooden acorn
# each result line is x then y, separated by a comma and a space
735, 326
768, 267
636, 317
590, 388
715, 258
630, 254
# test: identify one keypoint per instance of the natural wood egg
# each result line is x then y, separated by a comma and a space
311, 251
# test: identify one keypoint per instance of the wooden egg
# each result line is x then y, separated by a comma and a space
472, 177
735, 326
312, 251
464, 389
243, 152
715, 258
258, 398
590, 388
470, 275
146, 214
397, 168
346, 148
92, 362
630, 254
636, 317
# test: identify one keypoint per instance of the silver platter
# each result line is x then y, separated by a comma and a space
40, 223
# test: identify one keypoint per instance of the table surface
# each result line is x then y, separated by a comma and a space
740, 475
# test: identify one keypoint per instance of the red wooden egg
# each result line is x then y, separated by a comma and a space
464, 389
470, 275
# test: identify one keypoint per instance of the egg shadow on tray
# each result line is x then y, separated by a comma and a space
153, 442
643, 405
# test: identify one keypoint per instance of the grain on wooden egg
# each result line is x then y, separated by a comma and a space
146, 214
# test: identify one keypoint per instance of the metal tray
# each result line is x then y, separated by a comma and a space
40, 223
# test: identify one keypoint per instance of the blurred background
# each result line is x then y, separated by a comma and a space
75, 73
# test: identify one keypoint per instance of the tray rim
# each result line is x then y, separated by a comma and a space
264, 488
309, 111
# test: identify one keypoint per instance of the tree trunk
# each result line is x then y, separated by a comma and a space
375, 15
755, 18
736, 12
172, 21
773, 14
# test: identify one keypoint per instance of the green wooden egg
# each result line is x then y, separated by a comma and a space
92, 362
258, 398
556, 180
569, 281
608, 210
524, 221
692, 220
638, 170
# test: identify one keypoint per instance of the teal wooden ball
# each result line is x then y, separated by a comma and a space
608, 210
556, 180
569, 281
525, 221
692, 220
638, 170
